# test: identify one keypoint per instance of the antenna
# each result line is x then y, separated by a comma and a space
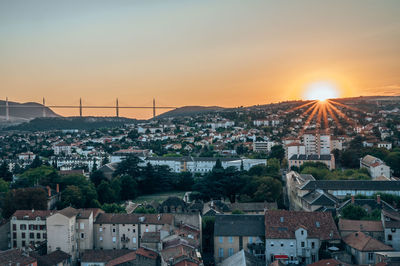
80, 107
7, 110
44, 107
154, 108
117, 108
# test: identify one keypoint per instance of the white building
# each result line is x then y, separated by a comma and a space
386, 145
263, 146
62, 148
376, 167
294, 148
317, 143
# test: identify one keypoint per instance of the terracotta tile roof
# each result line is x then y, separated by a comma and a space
360, 225
134, 218
53, 258
327, 262
16, 257
32, 214
282, 224
147, 253
69, 212
104, 255
151, 237
363, 242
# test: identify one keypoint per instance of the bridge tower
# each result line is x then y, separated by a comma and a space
7, 110
154, 108
117, 108
80, 107
44, 107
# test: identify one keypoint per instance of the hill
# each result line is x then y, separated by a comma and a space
27, 111
190, 111
61, 123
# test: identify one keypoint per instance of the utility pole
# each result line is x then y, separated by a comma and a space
80, 107
117, 108
44, 107
7, 110
154, 108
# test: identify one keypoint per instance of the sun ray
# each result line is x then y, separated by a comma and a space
315, 110
344, 105
344, 116
325, 116
332, 114
301, 106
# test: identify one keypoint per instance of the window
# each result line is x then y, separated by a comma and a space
113, 230
134, 240
250, 240
230, 239
22, 226
230, 251
100, 229
38, 235
14, 235
221, 252
221, 239
42, 227
31, 235
370, 256
82, 226
14, 227
134, 230
23, 243
302, 232
312, 244
272, 244
302, 244
390, 238
30, 227
101, 238
291, 244
44, 235
14, 244
393, 230
281, 244
313, 257
82, 235
114, 239
23, 235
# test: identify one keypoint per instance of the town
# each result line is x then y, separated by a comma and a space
275, 184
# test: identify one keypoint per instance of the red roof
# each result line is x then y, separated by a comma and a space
32, 214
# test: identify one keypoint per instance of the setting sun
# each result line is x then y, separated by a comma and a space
321, 91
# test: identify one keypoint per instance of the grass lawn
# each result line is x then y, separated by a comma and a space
159, 197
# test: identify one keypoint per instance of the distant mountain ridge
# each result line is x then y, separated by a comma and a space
190, 110
24, 111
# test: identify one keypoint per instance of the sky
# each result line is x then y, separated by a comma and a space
226, 53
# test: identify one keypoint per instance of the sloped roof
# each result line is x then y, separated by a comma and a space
134, 218
15, 257
360, 225
363, 242
103, 255
242, 258
352, 185
32, 214
282, 224
53, 258
239, 225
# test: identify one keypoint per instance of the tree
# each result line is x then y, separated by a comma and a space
105, 193
353, 212
393, 160
5, 173
129, 166
277, 152
184, 181
113, 208
144, 210
237, 212
43, 175
268, 189
72, 196
36, 162
96, 177
133, 134
128, 187
24, 199
4, 186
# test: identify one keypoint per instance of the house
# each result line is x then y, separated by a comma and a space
17, 257
343, 188
242, 258
388, 258
376, 167
297, 236
369, 205
28, 227
371, 228
391, 227
251, 207
364, 247
108, 257
298, 160
62, 148
55, 258
233, 233
71, 231
384, 144
172, 205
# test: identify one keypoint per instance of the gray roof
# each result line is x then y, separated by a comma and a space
242, 258
239, 225
352, 185
320, 198
311, 157
191, 159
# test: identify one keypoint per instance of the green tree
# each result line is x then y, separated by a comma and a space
393, 160
72, 196
36, 162
96, 177
144, 210
105, 193
277, 152
4, 186
113, 208
24, 199
353, 212
129, 166
128, 187
5, 173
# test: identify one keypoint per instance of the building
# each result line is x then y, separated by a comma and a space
317, 143
17, 257
294, 148
342, 188
118, 231
386, 145
62, 148
371, 228
298, 160
297, 236
202, 164
363, 247
233, 233
391, 227
71, 231
376, 167
263, 146
108, 257
28, 227
243, 258
55, 258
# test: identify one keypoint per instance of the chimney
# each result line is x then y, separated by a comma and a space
378, 199
48, 191
58, 188
352, 199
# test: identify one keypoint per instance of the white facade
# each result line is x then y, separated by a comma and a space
375, 166
317, 143
263, 146
295, 149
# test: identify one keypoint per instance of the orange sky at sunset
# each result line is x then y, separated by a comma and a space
225, 53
